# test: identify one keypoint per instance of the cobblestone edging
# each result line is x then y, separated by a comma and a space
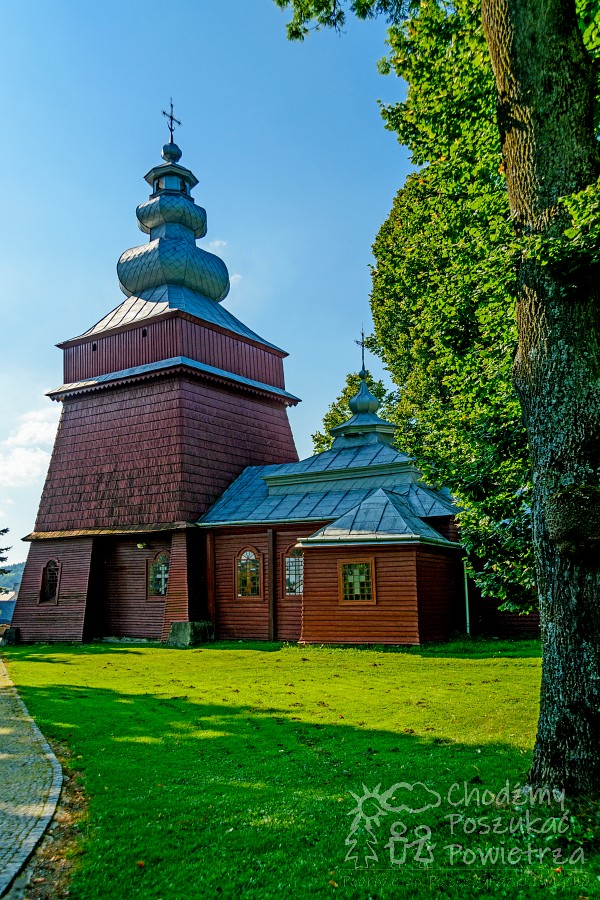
30, 783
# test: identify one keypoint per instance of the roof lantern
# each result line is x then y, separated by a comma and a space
364, 426
174, 223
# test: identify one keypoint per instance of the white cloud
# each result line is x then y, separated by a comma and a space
20, 466
35, 428
216, 245
24, 455
235, 279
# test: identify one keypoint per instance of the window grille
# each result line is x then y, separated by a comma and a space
294, 573
357, 582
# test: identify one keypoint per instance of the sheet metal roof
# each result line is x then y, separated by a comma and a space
347, 458
163, 298
379, 518
249, 499
168, 364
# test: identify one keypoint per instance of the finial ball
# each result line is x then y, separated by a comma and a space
171, 153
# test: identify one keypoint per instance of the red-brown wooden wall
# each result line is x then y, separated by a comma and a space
125, 610
245, 618
393, 619
164, 339
65, 620
441, 594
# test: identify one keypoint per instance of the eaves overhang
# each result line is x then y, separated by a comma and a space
265, 523
374, 540
99, 532
175, 363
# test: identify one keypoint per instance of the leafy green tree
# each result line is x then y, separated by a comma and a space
544, 57
340, 412
441, 301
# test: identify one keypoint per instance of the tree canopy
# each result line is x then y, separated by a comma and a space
544, 56
441, 302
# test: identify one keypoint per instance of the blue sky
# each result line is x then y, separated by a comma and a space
295, 167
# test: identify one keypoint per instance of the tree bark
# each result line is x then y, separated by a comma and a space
546, 85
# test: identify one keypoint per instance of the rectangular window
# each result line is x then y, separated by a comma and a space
293, 574
356, 582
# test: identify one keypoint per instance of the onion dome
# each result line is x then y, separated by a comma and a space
174, 223
364, 401
364, 426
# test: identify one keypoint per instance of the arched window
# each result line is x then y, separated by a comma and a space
50, 582
158, 575
248, 573
293, 572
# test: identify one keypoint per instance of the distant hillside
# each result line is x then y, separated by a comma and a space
12, 580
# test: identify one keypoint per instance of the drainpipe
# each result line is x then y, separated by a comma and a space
467, 617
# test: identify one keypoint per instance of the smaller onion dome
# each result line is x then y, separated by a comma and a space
364, 401
171, 152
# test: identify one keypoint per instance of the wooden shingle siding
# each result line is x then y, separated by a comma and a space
440, 589
166, 338
63, 621
156, 453
222, 432
392, 620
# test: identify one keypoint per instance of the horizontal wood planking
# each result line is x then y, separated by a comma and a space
126, 609
155, 453
289, 610
177, 605
392, 620
240, 618
247, 619
166, 338
441, 594
65, 620
490, 620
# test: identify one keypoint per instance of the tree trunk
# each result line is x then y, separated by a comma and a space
546, 86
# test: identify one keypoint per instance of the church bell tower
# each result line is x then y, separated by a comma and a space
164, 402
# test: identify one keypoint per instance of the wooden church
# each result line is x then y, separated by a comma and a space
175, 494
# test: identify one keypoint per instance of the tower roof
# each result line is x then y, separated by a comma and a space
174, 223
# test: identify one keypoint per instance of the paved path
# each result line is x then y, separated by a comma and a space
30, 783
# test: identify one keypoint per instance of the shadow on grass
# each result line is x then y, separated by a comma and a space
55, 652
206, 799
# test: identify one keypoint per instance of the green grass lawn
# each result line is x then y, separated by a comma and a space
230, 770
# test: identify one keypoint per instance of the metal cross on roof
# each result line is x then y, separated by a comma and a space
361, 344
171, 118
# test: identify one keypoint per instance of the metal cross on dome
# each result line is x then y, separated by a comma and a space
361, 344
171, 118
